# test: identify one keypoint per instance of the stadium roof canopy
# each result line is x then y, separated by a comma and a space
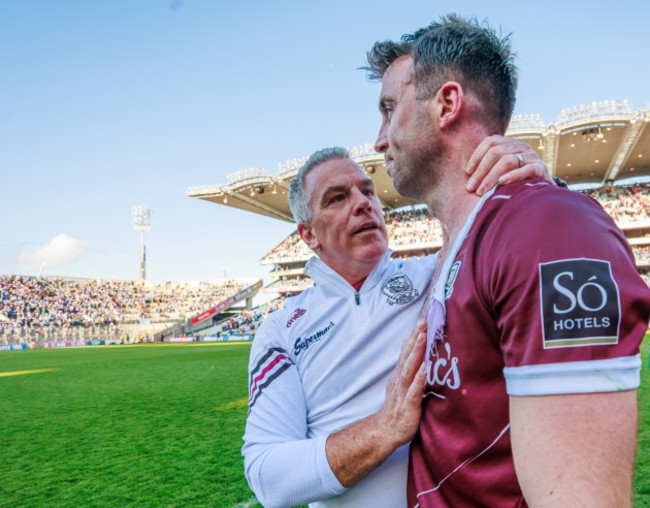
598, 143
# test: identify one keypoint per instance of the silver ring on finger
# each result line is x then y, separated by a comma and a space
521, 159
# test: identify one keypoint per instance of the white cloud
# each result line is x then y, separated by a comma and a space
60, 250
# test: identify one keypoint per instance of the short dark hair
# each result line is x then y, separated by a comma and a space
456, 49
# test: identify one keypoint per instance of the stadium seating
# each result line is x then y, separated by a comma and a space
80, 309
413, 232
248, 321
71, 310
626, 205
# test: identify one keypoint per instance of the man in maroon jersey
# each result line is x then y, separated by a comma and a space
537, 310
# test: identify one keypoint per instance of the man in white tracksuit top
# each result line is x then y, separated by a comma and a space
322, 381
325, 424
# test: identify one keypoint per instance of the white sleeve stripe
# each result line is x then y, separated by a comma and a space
610, 375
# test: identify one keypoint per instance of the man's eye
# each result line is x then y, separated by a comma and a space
336, 198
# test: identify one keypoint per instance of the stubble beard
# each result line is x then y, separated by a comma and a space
420, 175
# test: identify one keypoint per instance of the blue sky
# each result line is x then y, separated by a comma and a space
106, 105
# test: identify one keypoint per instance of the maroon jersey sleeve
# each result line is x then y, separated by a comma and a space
560, 279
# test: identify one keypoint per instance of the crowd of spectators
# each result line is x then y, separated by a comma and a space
415, 227
412, 227
30, 303
249, 320
624, 204
642, 255
405, 227
27, 302
292, 247
299, 283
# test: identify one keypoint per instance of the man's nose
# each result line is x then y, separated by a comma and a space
381, 144
362, 201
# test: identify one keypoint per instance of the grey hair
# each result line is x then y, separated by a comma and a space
461, 50
298, 195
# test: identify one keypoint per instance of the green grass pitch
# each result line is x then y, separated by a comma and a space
147, 425
150, 425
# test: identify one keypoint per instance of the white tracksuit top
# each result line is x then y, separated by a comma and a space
320, 364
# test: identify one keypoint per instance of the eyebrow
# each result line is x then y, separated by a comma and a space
332, 190
365, 183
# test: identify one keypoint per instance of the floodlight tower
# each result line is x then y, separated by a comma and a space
141, 216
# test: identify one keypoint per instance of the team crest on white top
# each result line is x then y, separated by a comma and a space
399, 289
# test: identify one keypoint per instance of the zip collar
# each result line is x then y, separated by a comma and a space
326, 278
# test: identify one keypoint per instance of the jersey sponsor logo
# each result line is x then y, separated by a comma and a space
399, 289
453, 272
442, 371
299, 312
579, 303
270, 365
302, 344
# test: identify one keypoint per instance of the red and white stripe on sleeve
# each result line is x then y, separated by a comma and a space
270, 365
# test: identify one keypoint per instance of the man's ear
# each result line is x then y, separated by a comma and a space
448, 103
307, 234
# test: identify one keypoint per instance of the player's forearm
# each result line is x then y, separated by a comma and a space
354, 452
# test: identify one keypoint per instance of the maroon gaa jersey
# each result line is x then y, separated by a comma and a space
543, 297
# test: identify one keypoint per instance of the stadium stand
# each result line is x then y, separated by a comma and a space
626, 205
603, 144
642, 255
413, 228
58, 309
292, 248
70, 310
413, 232
249, 320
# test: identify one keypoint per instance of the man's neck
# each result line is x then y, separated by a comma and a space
357, 285
352, 272
449, 202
